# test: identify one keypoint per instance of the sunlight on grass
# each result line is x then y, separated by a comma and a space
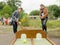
51, 24
34, 23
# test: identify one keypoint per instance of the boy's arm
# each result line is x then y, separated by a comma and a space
13, 15
40, 14
17, 18
45, 13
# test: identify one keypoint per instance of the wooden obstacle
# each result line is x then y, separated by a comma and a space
30, 34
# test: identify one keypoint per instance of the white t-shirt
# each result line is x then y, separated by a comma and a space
42, 14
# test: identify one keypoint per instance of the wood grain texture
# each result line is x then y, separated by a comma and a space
31, 33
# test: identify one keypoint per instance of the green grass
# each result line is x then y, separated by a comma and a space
51, 24
35, 23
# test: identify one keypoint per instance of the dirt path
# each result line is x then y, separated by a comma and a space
56, 40
5, 39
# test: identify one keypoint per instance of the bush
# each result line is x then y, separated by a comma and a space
25, 21
34, 12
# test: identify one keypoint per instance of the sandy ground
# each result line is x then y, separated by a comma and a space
5, 39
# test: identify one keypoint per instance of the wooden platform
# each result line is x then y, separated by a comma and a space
31, 34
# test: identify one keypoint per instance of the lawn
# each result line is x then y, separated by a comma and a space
51, 24
34, 23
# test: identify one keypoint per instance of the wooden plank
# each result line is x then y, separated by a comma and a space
31, 33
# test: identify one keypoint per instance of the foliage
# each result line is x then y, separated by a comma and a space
21, 15
1, 5
54, 10
25, 20
50, 23
34, 12
7, 10
57, 13
12, 3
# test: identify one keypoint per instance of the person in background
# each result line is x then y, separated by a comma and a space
2, 20
15, 18
6, 21
43, 17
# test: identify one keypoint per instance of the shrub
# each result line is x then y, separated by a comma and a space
25, 21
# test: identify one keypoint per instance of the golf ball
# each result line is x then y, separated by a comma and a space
24, 41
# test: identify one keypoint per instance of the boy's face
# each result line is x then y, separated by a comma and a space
19, 10
42, 7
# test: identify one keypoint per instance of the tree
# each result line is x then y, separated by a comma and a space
6, 8
1, 5
54, 10
57, 13
13, 4
7, 11
34, 12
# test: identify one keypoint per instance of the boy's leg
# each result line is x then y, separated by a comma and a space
14, 27
44, 24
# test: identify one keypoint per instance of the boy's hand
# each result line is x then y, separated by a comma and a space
16, 20
19, 23
41, 17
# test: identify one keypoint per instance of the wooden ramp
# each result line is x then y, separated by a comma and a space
32, 38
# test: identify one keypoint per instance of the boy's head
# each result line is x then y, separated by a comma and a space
42, 6
19, 9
